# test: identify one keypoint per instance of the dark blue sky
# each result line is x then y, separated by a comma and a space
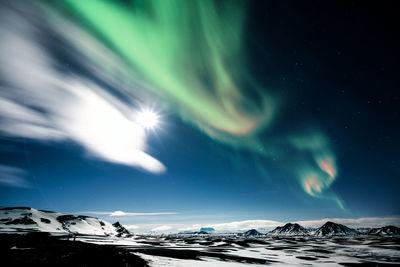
334, 65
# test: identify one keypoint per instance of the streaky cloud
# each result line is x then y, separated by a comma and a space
13, 177
161, 228
41, 102
120, 213
189, 53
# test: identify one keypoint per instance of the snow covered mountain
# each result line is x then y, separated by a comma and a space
252, 232
387, 230
333, 229
289, 229
122, 231
29, 219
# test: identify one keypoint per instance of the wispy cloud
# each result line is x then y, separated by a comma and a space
162, 228
131, 226
40, 101
120, 213
154, 227
11, 176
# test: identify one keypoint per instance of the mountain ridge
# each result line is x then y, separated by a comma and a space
334, 229
289, 229
30, 219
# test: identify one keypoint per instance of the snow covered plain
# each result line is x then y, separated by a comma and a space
202, 250
214, 250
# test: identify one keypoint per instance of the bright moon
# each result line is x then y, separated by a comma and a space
147, 118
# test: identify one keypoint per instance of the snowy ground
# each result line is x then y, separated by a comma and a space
29, 219
176, 251
204, 250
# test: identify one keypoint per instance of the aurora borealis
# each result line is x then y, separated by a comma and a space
188, 52
240, 96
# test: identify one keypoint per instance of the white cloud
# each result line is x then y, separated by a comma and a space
162, 228
120, 213
131, 226
11, 176
43, 103
236, 225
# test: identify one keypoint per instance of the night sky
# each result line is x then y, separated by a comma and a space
264, 110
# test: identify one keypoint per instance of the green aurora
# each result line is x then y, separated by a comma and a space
191, 55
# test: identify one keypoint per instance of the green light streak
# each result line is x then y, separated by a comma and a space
190, 51
190, 54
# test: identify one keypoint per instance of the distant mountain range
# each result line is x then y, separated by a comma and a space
326, 230
29, 219
330, 229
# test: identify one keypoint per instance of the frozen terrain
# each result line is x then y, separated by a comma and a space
29, 219
330, 245
184, 250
